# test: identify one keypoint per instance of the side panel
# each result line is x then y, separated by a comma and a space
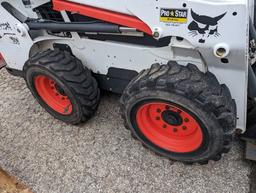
229, 18
99, 56
15, 41
109, 16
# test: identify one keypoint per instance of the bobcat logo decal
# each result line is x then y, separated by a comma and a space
204, 26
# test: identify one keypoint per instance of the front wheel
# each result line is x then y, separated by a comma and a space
179, 112
62, 85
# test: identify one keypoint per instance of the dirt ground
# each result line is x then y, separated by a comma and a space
99, 156
9, 184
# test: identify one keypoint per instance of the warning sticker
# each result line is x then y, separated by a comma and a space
174, 15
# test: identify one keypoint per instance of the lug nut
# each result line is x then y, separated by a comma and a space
184, 127
158, 110
175, 130
167, 107
156, 34
186, 120
164, 126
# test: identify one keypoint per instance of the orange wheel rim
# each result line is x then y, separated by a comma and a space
169, 127
53, 95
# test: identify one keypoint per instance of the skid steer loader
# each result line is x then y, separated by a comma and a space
185, 69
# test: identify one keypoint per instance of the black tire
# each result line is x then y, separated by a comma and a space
71, 76
251, 111
209, 102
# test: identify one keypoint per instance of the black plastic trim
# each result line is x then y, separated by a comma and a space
14, 12
73, 27
116, 80
15, 72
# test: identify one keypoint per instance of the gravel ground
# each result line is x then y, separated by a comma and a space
99, 156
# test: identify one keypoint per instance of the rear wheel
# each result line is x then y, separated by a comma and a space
62, 85
179, 112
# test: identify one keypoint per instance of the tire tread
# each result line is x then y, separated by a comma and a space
74, 74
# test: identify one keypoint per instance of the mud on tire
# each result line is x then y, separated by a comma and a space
198, 94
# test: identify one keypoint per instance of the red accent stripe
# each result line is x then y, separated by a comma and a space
1, 58
2, 61
105, 15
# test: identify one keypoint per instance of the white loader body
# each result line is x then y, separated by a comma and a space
228, 30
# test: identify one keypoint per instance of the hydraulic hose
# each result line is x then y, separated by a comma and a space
73, 26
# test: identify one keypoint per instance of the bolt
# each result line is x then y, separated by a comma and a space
186, 120
167, 107
156, 34
158, 110
184, 127
164, 126
175, 130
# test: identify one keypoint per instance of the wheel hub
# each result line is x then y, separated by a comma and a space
169, 127
53, 95
59, 90
172, 118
